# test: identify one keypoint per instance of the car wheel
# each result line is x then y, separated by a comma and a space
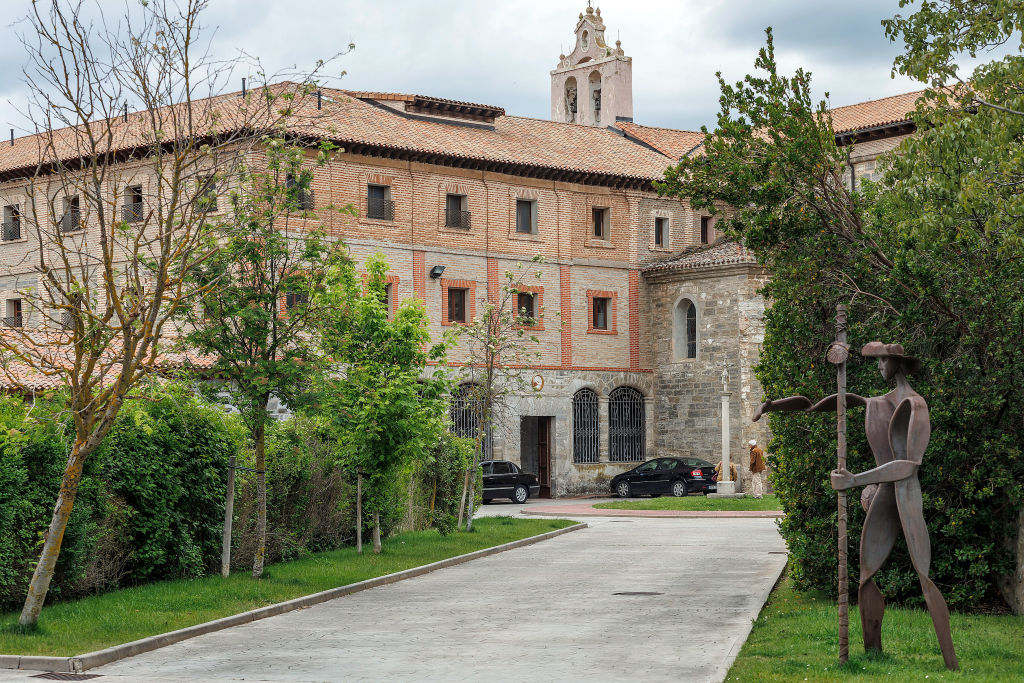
520, 494
486, 501
622, 488
679, 488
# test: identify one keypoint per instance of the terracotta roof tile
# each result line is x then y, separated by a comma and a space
721, 252
671, 142
874, 113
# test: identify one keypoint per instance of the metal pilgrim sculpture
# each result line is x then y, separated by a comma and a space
898, 430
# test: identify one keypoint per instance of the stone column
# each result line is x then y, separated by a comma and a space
725, 484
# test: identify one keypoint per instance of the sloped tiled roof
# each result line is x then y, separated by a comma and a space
874, 113
671, 142
721, 252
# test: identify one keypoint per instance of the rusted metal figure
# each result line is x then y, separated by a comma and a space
898, 430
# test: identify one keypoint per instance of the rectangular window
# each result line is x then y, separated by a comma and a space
303, 196
378, 203
526, 304
600, 223
13, 317
131, 211
72, 218
660, 232
206, 198
526, 215
455, 214
293, 299
386, 299
12, 223
601, 307
705, 229
457, 305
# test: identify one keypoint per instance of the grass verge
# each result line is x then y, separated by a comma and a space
694, 503
100, 621
795, 638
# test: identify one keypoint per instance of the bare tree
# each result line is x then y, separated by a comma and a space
115, 205
500, 352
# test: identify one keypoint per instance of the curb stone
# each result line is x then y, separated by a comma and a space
90, 660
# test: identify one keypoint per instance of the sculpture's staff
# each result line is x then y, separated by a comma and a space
837, 354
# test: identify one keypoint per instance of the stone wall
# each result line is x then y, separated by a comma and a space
688, 392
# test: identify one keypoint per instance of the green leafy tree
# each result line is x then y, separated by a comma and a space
387, 409
501, 349
256, 317
929, 257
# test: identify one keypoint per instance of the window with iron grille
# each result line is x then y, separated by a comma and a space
465, 414
457, 305
303, 196
455, 213
13, 313
12, 223
705, 229
378, 203
72, 218
660, 232
601, 218
526, 216
585, 430
626, 425
601, 306
131, 211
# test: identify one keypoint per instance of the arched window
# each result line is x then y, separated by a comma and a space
595, 96
684, 330
585, 435
465, 416
627, 425
571, 104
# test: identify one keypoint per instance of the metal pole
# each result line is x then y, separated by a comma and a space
844, 591
359, 513
229, 513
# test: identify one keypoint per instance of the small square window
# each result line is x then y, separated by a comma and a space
379, 205
600, 223
705, 229
601, 308
526, 305
660, 232
526, 216
457, 305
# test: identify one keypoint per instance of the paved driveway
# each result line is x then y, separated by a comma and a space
559, 610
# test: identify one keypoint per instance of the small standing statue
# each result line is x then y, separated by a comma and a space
898, 430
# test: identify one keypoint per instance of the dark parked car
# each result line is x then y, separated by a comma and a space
666, 476
504, 479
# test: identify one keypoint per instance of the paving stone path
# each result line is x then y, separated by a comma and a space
626, 599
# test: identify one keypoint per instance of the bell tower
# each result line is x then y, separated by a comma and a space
593, 85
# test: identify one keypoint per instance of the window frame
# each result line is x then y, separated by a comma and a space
661, 232
531, 204
387, 203
601, 223
611, 316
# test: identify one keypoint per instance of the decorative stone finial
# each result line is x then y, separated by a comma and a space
590, 10
598, 11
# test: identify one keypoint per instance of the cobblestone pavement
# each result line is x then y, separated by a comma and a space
626, 599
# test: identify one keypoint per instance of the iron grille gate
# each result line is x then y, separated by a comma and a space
626, 425
585, 434
465, 417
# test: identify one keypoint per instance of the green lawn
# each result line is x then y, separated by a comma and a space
97, 622
694, 503
795, 639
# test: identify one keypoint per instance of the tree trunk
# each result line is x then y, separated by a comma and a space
376, 533
359, 513
43, 574
477, 450
462, 500
411, 511
261, 494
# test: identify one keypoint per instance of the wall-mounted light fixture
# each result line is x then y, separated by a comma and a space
436, 272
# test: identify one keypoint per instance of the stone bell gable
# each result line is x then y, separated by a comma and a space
593, 85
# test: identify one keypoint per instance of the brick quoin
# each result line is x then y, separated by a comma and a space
565, 287
634, 319
419, 275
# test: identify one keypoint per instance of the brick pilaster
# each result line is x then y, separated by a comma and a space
493, 282
419, 275
565, 288
634, 319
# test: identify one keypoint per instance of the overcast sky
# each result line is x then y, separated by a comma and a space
500, 52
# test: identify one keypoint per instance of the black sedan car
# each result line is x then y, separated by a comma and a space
504, 479
666, 476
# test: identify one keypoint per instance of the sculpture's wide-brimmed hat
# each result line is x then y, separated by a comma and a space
877, 349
